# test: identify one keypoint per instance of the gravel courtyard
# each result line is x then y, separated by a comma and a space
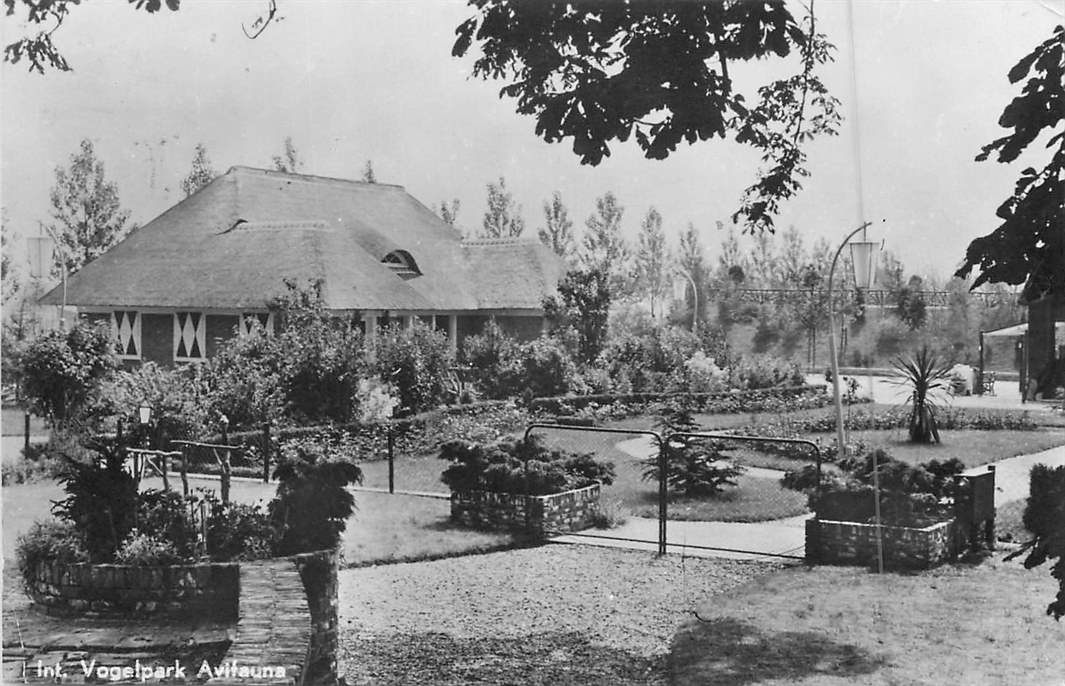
555, 614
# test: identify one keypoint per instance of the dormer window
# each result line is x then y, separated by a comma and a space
402, 263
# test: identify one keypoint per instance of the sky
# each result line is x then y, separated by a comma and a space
352, 81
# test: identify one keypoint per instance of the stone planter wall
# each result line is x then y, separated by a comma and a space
201, 590
830, 542
536, 515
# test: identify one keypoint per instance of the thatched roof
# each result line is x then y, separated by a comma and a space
232, 244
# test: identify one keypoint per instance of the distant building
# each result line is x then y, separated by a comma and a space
203, 270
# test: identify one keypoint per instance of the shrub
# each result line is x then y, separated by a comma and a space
237, 531
752, 372
1044, 516
416, 361
167, 516
143, 549
610, 515
923, 373
493, 355
695, 466
62, 368
177, 408
48, 540
521, 467
244, 380
546, 366
101, 501
312, 504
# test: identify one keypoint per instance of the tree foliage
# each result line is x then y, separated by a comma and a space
201, 174
1029, 245
449, 212
38, 50
1044, 517
368, 175
88, 215
289, 161
503, 217
597, 73
61, 368
651, 258
582, 304
603, 248
557, 232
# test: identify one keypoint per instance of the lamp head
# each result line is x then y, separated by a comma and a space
144, 413
863, 257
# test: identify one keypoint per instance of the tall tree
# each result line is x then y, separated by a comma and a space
1029, 245
659, 72
368, 175
503, 217
449, 212
651, 258
201, 174
289, 161
557, 232
604, 248
89, 218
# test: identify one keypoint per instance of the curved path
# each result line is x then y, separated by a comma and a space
781, 536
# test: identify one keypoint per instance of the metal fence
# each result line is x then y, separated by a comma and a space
647, 456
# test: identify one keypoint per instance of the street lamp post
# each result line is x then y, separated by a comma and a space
862, 256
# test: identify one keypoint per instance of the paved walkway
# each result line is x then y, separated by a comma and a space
778, 537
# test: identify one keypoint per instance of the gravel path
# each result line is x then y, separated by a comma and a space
555, 614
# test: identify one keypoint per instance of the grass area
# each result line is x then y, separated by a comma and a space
384, 528
972, 447
1008, 522
13, 423
960, 624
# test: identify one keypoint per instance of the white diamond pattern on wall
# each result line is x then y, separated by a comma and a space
126, 328
189, 335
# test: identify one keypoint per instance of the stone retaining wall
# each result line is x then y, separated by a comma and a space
830, 542
201, 590
536, 515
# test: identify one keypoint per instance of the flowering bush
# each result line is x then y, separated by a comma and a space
704, 376
375, 401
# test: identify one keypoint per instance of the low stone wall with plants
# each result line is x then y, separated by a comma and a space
535, 515
207, 589
832, 542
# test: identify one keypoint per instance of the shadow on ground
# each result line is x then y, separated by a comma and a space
731, 652
548, 658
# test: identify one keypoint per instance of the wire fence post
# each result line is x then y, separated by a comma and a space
26, 434
391, 460
266, 452
663, 491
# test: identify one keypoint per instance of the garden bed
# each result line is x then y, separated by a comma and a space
832, 542
113, 590
535, 515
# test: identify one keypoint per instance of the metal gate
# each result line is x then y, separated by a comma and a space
603, 442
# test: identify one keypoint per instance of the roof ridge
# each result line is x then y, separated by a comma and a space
503, 240
308, 178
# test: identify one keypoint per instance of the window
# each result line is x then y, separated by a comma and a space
402, 263
248, 319
190, 335
126, 328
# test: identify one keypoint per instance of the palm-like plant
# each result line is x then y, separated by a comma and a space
923, 373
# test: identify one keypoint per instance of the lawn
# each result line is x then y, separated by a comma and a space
384, 528
959, 624
14, 422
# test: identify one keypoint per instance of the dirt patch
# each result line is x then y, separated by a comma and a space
561, 614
